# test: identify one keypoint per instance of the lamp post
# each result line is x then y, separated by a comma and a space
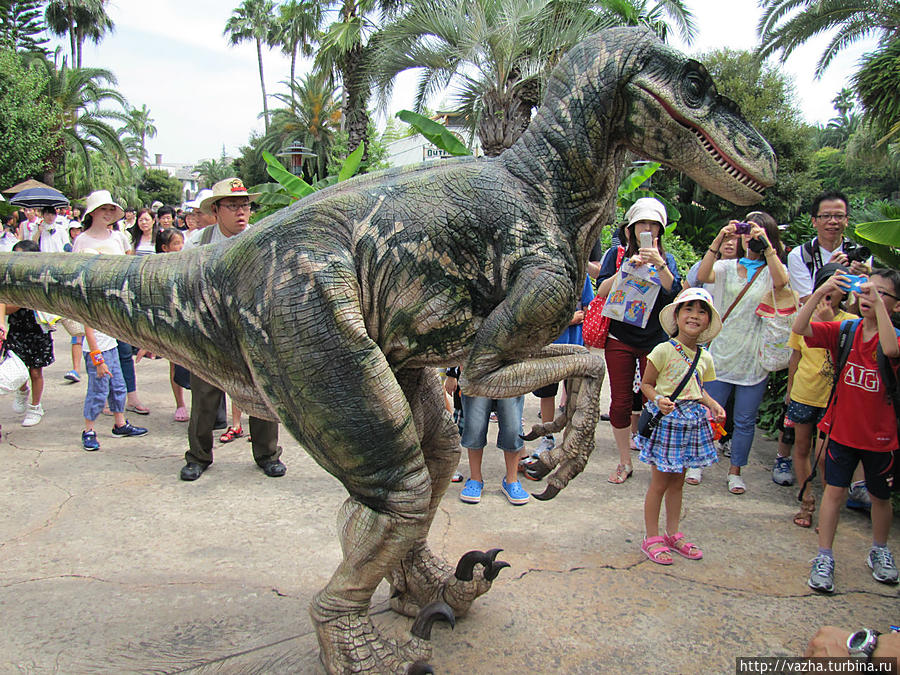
295, 153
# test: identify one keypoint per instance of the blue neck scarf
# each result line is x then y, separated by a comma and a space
752, 266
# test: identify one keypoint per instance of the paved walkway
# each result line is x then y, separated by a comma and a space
110, 564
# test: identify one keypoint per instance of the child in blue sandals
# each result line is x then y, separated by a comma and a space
683, 438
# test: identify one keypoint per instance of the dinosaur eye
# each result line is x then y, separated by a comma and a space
694, 87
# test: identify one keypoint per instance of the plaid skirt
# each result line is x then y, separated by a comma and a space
683, 439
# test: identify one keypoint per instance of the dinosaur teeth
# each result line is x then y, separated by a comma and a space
729, 168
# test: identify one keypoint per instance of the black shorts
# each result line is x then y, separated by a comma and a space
547, 390
841, 461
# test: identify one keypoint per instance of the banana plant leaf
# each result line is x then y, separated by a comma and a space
636, 178
294, 185
436, 133
672, 213
351, 164
881, 232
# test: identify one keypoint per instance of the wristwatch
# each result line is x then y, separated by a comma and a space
863, 642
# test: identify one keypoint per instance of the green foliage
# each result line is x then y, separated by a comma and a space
158, 184
771, 410
876, 83
376, 155
22, 25
437, 134
685, 255
249, 165
211, 171
29, 122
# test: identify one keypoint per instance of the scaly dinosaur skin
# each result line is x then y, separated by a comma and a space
331, 314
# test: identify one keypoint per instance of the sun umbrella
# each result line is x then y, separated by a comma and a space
39, 196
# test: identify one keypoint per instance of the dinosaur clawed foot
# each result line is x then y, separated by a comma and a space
352, 644
488, 559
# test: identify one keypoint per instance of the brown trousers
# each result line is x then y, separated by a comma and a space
204, 404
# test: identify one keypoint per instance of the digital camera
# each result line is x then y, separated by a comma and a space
856, 252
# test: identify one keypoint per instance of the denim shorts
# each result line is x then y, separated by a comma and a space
477, 410
800, 413
841, 461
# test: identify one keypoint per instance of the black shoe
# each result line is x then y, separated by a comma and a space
192, 471
220, 424
274, 469
604, 417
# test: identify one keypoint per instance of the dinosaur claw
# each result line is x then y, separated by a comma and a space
467, 563
492, 554
426, 617
530, 436
491, 573
549, 493
419, 668
537, 470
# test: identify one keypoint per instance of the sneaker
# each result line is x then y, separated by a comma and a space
471, 492
546, 445
72, 376
725, 448
514, 492
20, 401
881, 562
858, 497
457, 478
33, 415
783, 471
89, 441
821, 576
128, 429
494, 417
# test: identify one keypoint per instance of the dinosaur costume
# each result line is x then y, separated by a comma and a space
331, 314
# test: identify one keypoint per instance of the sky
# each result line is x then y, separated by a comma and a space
204, 94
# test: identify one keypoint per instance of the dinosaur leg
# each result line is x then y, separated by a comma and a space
343, 403
422, 577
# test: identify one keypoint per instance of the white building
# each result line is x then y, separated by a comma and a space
414, 149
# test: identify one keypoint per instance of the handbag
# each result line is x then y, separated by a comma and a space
13, 372
777, 310
648, 421
595, 327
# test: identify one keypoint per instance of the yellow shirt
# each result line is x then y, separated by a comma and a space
815, 372
672, 368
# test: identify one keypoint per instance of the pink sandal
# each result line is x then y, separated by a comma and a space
622, 473
684, 548
181, 414
654, 548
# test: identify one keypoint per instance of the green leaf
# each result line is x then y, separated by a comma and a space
351, 164
636, 178
436, 133
880, 232
294, 185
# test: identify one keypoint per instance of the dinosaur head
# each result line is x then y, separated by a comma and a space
674, 115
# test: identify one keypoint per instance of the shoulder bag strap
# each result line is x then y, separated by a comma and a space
741, 294
687, 375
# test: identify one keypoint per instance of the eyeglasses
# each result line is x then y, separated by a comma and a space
234, 207
832, 216
885, 293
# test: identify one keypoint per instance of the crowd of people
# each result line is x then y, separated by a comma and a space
683, 365
693, 364
103, 226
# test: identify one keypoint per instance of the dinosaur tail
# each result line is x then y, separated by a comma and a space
144, 300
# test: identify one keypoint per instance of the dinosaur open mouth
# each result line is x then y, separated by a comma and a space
730, 166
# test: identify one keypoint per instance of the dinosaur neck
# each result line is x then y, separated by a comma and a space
572, 155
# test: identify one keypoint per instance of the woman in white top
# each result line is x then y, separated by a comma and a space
735, 349
143, 233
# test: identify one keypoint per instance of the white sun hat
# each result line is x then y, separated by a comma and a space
100, 198
667, 314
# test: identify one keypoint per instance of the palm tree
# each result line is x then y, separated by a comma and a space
296, 27
211, 171
876, 84
138, 128
80, 93
346, 50
310, 119
787, 24
80, 20
252, 20
495, 53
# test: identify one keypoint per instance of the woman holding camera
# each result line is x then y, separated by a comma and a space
627, 345
739, 285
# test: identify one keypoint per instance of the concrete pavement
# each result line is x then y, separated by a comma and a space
110, 564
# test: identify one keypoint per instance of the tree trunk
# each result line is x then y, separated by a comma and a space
293, 65
262, 83
356, 113
503, 120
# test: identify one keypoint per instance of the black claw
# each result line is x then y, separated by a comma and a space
419, 668
537, 470
467, 563
549, 493
530, 436
492, 554
426, 617
491, 572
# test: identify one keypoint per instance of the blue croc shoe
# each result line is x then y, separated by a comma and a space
471, 492
514, 492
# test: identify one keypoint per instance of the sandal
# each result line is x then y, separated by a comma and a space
684, 548
803, 518
181, 414
138, 408
231, 434
623, 472
693, 476
655, 548
632, 443
736, 485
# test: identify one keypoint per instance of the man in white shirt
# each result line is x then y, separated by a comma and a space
829, 213
52, 236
